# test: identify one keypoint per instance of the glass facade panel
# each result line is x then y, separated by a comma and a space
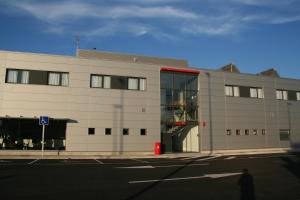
53, 78
133, 83
179, 108
12, 76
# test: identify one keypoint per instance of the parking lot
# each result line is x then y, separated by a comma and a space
276, 176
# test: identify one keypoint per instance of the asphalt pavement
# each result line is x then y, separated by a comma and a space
275, 176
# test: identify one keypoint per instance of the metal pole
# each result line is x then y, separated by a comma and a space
43, 138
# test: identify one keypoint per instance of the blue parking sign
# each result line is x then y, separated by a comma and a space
44, 120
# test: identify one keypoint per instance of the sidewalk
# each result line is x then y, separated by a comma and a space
34, 154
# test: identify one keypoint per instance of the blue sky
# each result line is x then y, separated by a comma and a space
253, 34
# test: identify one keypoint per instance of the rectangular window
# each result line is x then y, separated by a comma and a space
236, 91
142, 84
96, 81
285, 95
91, 131
232, 91
12, 76
228, 91
298, 96
25, 77
133, 83
228, 132
247, 131
143, 131
253, 92
65, 79
238, 132
263, 131
106, 82
256, 93
108, 131
125, 131
284, 134
53, 78
260, 93
282, 94
254, 132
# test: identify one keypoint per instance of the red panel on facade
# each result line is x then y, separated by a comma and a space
180, 123
192, 71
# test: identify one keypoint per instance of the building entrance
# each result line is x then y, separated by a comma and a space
179, 112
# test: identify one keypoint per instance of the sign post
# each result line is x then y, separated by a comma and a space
44, 120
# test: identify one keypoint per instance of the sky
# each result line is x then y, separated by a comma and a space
255, 35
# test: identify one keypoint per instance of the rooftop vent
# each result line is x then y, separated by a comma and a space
230, 68
270, 72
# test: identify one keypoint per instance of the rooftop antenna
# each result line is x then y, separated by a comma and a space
77, 41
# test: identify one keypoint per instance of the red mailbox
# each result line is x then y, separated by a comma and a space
157, 149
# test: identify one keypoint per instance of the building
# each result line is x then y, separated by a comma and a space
109, 102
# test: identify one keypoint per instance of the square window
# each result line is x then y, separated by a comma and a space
238, 132
133, 83
143, 131
247, 131
125, 131
254, 131
96, 81
228, 132
91, 131
108, 131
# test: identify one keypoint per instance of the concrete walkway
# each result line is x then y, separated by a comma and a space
34, 154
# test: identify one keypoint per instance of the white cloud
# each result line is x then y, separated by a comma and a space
161, 19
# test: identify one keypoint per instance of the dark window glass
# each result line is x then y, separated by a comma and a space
284, 134
179, 81
228, 132
192, 82
38, 77
166, 80
238, 132
247, 131
119, 82
179, 97
125, 131
263, 132
91, 131
143, 131
292, 95
108, 131
244, 91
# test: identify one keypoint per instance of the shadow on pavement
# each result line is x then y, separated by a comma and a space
292, 165
139, 193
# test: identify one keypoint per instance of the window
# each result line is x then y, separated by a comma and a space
247, 131
256, 93
106, 82
282, 94
298, 96
232, 91
254, 131
65, 79
143, 131
17, 76
91, 131
58, 78
108, 131
263, 131
96, 81
284, 134
25, 77
228, 132
125, 131
142, 84
238, 132
53, 78
133, 83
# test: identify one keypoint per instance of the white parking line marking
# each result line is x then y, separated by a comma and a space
230, 158
214, 176
98, 161
209, 158
30, 163
160, 166
142, 161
